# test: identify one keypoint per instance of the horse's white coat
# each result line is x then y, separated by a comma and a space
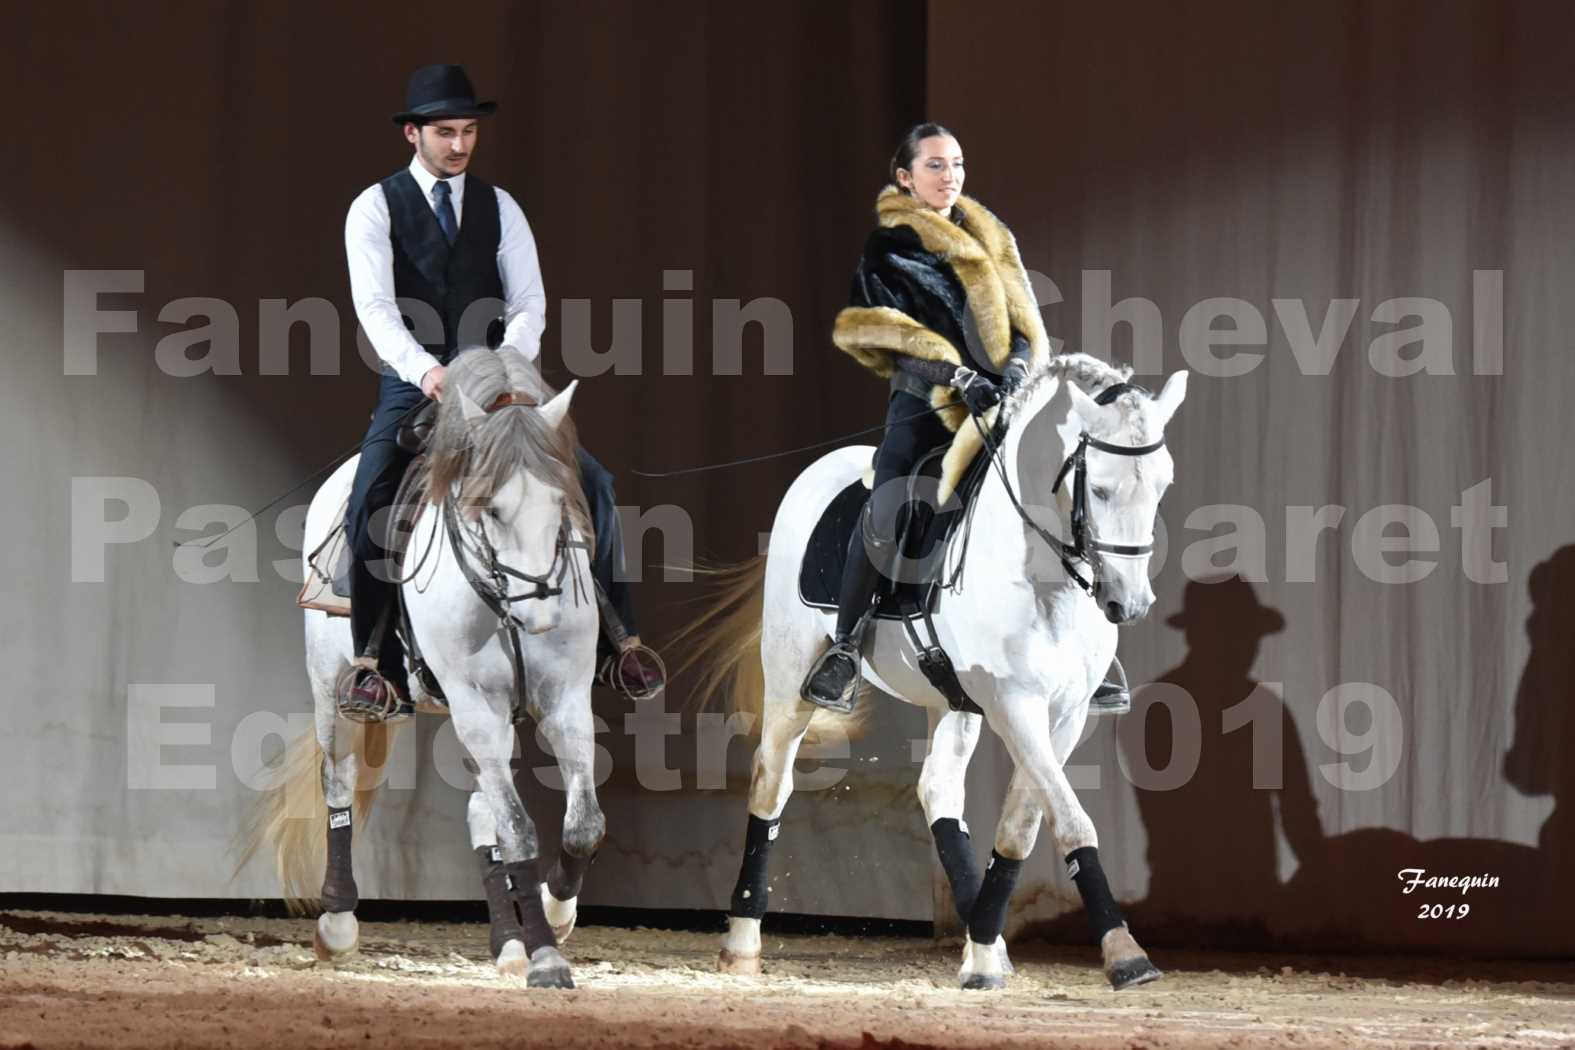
462, 643
1029, 646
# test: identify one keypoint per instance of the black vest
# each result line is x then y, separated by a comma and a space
448, 278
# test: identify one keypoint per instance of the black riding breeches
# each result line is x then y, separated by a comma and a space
912, 430
377, 478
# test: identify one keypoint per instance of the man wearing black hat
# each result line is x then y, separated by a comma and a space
433, 236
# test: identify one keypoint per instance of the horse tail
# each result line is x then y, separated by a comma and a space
290, 818
723, 642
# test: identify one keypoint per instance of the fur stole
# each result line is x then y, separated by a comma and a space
983, 254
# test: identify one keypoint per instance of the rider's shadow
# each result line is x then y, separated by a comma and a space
1346, 891
1530, 911
1541, 757
1214, 756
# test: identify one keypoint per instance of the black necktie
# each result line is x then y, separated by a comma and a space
445, 211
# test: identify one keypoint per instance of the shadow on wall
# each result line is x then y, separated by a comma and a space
1214, 835
1529, 912
1221, 882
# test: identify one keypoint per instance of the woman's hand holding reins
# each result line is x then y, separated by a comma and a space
978, 392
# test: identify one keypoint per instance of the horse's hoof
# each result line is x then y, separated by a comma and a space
1126, 964
335, 935
738, 965
561, 915
1129, 973
512, 960
983, 982
548, 969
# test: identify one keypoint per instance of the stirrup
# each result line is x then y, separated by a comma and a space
611, 673
1112, 697
396, 707
842, 703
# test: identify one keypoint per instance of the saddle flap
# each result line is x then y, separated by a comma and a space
327, 585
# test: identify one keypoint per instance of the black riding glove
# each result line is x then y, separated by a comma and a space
1014, 374
978, 392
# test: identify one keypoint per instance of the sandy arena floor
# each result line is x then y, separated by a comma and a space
81, 980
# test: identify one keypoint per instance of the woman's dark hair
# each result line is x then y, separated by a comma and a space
908, 148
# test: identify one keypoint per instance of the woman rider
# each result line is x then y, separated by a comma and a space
940, 304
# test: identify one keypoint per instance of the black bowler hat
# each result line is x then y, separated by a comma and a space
1230, 604
440, 93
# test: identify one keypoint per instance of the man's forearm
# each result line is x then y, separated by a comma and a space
386, 331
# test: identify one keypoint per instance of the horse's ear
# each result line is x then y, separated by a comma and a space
1083, 405
1170, 398
555, 410
474, 413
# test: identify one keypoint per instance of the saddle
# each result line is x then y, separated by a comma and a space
924, 536
327, 586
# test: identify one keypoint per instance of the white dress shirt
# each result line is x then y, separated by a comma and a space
369, 247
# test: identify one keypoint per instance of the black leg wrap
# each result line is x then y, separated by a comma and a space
339, 892
988, 917
1104, 914
514, 903
567, 874
749, 895
955, 849
500, 907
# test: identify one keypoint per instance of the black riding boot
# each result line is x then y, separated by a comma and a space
832, 682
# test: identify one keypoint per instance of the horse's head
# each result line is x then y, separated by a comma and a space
1116, 440
1106, 468
504, 450
525, 515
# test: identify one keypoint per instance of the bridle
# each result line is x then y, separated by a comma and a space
490, 582
470, 545
1085, 547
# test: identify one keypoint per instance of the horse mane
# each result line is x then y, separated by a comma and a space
474, 455
1093, 375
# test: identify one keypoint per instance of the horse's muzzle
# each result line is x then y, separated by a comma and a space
1121, 615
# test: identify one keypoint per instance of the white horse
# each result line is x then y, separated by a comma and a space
1086, 462
502, 493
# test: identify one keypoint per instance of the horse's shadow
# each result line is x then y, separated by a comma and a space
1218, 841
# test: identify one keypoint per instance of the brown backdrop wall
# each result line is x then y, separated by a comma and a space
216, 148
1313, 152
1262, 152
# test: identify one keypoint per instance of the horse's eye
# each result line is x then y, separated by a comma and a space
1101, 494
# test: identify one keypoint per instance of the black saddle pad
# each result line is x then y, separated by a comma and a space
820, 573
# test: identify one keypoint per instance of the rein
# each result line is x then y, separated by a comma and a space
1085, 547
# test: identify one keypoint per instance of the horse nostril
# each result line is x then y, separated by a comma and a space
1113, 612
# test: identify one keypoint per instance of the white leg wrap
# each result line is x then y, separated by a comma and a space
560, 914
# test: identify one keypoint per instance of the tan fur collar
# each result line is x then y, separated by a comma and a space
984, 256
983, 253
